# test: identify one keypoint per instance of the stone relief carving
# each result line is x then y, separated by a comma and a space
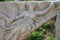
19, 19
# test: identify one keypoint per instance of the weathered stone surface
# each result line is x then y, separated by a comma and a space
19, 19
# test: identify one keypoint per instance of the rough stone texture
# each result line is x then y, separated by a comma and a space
19, 19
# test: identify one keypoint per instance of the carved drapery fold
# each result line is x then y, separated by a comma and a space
18, 19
